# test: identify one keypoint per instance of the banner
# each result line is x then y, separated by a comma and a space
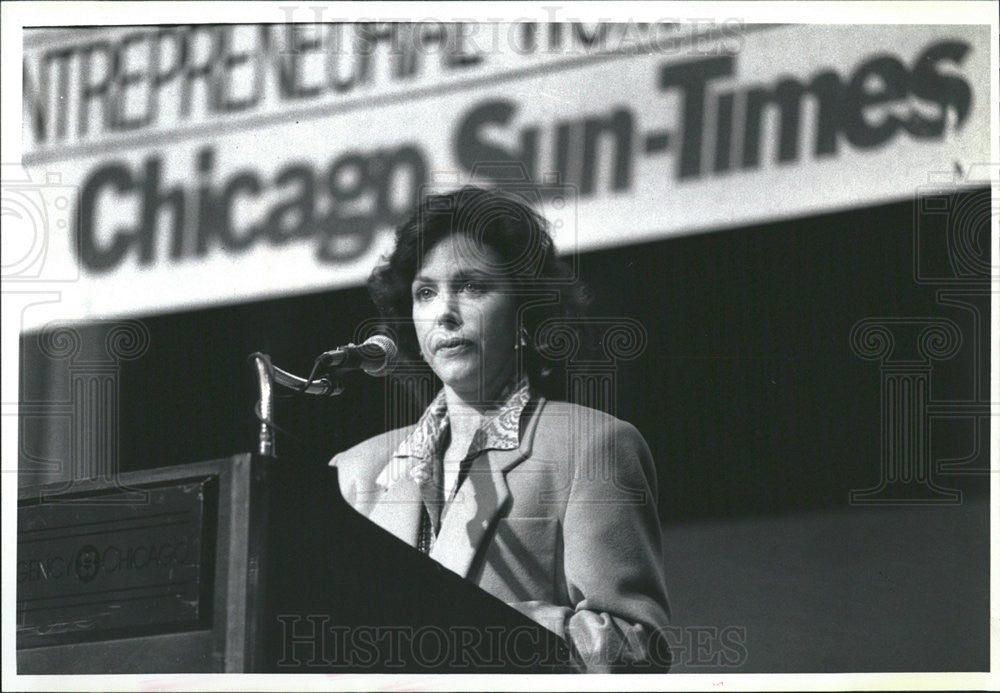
185, 166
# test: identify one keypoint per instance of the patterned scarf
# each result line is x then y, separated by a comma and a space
423, 452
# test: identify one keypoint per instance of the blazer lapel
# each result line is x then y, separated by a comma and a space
470, 517
398, 508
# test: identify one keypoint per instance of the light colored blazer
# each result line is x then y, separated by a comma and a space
563, 528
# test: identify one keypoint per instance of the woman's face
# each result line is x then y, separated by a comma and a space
465, 316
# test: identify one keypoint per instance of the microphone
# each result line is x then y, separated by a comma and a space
375, 356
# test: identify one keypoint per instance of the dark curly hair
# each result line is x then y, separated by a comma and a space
545, 285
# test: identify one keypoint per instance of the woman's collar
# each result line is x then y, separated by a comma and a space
501, 430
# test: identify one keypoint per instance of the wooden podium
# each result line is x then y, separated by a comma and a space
245, 564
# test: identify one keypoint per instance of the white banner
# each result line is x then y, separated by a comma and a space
175, 167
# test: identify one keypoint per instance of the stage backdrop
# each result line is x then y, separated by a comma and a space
199, 165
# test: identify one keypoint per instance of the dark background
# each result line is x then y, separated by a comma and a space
759, 415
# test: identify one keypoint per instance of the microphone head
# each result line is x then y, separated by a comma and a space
383, 355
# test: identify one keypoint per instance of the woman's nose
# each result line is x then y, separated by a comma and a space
448, 314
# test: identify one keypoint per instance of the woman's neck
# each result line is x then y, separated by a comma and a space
466, 412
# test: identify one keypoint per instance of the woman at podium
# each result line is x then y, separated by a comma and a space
547, 505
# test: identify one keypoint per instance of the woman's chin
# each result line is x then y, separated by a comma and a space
467, 383
459, 376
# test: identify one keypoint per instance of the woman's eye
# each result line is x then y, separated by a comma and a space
474, 287
424, 293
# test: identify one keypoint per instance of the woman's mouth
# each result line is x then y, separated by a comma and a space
452, 345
